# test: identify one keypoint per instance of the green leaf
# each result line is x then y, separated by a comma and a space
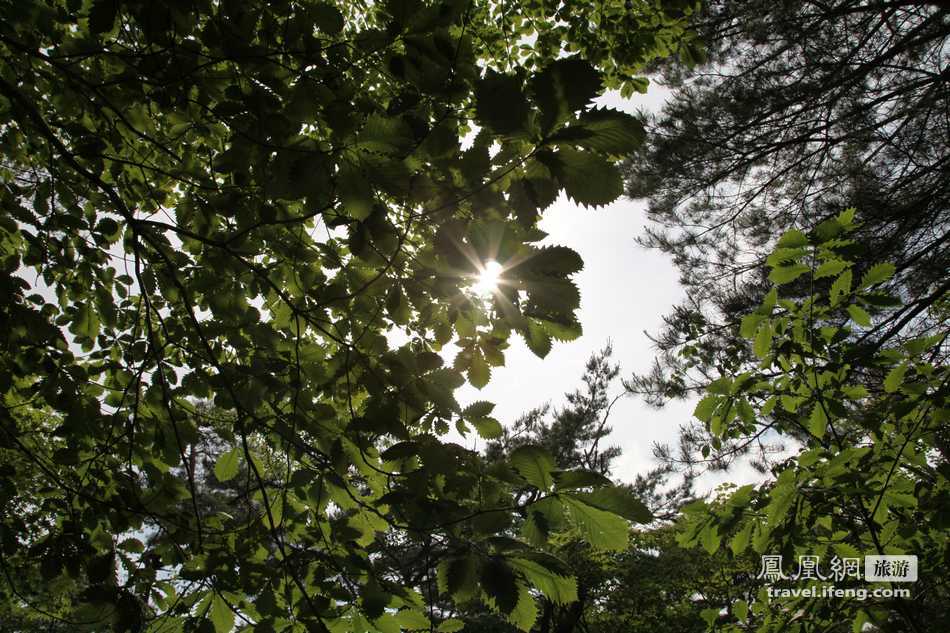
355, 192
740, 541
498, 581
602, 529
554, 260
573, 479
457, 576
709, 616
606, 131
525, 612
877, 274
479, 373
537, 339
786, 274
86, 321
534, 464
450, 625
563, 87
556, 587
741, 609
818, 421
706, 407
895, 378
840, 288
226, 466
711, 539
782, 498
221, 615
792, 239
859, 315
619, 500
479, 409
763, 341
831, 268
846, 217
412, 620
488, 428
750, 324
746, 412
500, 103
588, 178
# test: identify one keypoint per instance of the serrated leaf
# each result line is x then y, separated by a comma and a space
222, 618
356, 194
818, 421
741, 609
500, 103
606, 131
226, 466
740, 541
537, 339
488, 428
563, 87
783, 495
86, 321
412, 620
534, 464
525, 612
588, 178
750, 324
706, 407
831, 268
552, 295
746, 412
846, 217
451, 625
479, 409
782, 255
840, 288
877, 274
459, 577
499, 583
563, 332
384, 134
554, 260
602, 529
895, 378
387, 623
859, 315
786, 274
557, 588
792, 239
573, 479
479, 373
763, 341
618, 500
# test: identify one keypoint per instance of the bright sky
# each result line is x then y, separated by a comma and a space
625, 291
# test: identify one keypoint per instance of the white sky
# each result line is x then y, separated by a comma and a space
625, 291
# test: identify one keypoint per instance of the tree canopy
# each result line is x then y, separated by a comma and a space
277, 208
798, 110
870, 473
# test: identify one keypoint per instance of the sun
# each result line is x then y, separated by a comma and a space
487, 282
